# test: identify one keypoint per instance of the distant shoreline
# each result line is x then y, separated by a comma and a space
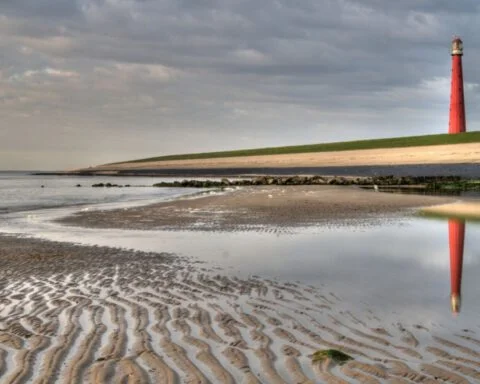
468, 170
383, 157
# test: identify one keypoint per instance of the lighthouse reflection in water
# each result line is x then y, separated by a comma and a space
456, 232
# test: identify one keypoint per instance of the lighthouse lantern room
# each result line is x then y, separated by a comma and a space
457, 46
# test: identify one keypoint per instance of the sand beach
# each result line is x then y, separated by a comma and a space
83, 314
257, 208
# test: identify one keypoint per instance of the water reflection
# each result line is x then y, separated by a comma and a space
381, 266
456, 239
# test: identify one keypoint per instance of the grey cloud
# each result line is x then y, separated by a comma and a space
173, 72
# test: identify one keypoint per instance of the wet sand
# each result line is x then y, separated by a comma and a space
257, 208
82, 314
77, 314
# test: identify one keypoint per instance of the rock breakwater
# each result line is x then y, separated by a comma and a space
315, 180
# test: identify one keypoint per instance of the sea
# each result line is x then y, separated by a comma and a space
401, 266
28, 191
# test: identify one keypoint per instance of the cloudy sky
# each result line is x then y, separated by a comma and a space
84, 82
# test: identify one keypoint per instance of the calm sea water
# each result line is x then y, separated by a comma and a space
21, 191
401, 267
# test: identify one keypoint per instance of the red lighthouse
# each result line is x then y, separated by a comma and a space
457, 122
456, 239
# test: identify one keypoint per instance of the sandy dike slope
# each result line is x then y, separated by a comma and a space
438, 154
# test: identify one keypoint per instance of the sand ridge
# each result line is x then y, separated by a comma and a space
77, 314
261, 208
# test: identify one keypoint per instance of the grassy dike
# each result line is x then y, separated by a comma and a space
397, 142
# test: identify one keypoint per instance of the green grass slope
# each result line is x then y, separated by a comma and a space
397, 142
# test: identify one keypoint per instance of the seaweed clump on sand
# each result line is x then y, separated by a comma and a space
456, 185
335, 356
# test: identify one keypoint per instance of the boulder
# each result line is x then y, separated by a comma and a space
318, 180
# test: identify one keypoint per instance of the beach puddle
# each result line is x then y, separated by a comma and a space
408, 268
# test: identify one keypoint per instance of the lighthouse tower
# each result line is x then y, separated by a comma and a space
457, 122
456, 238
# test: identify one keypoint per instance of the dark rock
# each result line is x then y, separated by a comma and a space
295, 180
318, 180
302, 180
260, 181
342, 181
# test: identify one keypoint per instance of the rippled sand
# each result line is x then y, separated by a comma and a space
73, 314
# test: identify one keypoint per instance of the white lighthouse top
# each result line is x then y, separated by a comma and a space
457, 46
